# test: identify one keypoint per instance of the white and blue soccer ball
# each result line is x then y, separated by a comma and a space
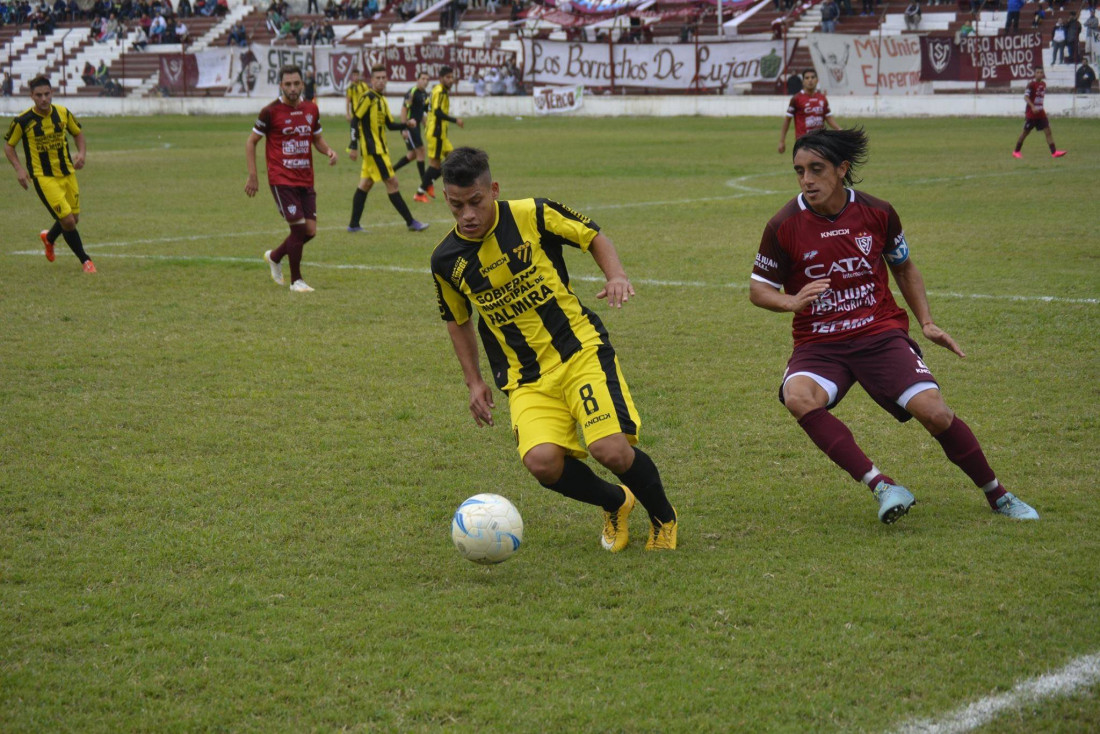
487, 529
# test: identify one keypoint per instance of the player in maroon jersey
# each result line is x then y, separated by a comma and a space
824, 257
292, 126
1035, 117
809, 109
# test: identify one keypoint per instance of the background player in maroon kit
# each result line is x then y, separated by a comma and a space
809, 109
828, 250
1035, 117
292, 126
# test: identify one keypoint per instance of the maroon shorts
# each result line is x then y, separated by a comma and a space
887, 365
295, 202
1036, 123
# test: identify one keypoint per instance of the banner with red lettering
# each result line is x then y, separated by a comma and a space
681, 66
865, 65
554, 100
981, 58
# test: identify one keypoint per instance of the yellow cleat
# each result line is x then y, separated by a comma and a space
662, 536
616, 525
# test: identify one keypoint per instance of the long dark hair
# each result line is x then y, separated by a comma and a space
837, 146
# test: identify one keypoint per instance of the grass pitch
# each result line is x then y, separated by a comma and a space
224, 506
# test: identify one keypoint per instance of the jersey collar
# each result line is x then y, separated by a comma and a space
804, 205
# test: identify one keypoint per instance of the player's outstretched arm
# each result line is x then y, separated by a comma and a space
911, 284
464, 340
618, 289
771, 298
252, 185
325, 149
20, 172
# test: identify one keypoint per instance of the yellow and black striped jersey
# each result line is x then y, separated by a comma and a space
45, 143
439, 112
373, 114
355, 92
530, 321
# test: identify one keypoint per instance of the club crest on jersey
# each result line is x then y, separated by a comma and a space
809, 255
293, 209
864, 242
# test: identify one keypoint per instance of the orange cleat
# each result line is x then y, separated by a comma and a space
89, 267
422, 198
49, 245
431, 191
1058, 154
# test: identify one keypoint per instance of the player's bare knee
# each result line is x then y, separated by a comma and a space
613, 452
545, 462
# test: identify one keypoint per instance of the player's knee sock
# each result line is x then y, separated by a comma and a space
54, 233
294, 244
400, 164
72, 239
963, 449
579, 482
402, 208
645, 482
833, 437
430, 174
1052, 147
420, 167
358, 202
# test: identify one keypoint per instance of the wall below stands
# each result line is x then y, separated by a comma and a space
940, 105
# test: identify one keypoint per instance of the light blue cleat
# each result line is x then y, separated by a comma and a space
894, 501
1012, 506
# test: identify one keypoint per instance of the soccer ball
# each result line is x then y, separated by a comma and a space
487, 529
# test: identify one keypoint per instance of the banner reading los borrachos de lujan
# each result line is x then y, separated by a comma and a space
680, 66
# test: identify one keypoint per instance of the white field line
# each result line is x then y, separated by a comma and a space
583, 278
1080, 673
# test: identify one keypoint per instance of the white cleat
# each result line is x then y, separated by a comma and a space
299, 286
276, 268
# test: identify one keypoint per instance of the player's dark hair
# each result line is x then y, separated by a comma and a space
811, 70
377, 68
465, 166
39, 81
290, 69
837, 146
444, 71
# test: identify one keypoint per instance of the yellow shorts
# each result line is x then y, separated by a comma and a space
588, 392
61, 195
376, 167
437, 148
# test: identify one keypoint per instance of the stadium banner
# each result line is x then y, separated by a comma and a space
255, 71
404, 62
553, 100
214, 68
679, 66
178, 73
866, 65
981, 58
334, 67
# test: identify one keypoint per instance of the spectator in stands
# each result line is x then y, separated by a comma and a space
183, 35
508, 79
88, 74
370, 9
221, 8
1073, 38
157, 29
1012, 19
494, 81
912, 16
141, 39
1040, 14
1092, 32
7, 87
238, 36
967, 29
183, 9
1083, 80
517, 8
110, 30
479, 85
1058, 43
101, 73
58, 10
794, 84
328, 33
845, 7
407, 10
829, 13
312, 8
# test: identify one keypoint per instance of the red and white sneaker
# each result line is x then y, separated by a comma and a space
1017, 154
1058, 154
44, 234
89, 267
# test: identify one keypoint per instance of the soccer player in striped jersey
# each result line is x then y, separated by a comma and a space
547, 352
414, 108
826, 257
355, 91
43, 131
439, 117
373, 119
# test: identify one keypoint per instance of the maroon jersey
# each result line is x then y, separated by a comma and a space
1036, 93
289, 132
852, 250
809, 112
